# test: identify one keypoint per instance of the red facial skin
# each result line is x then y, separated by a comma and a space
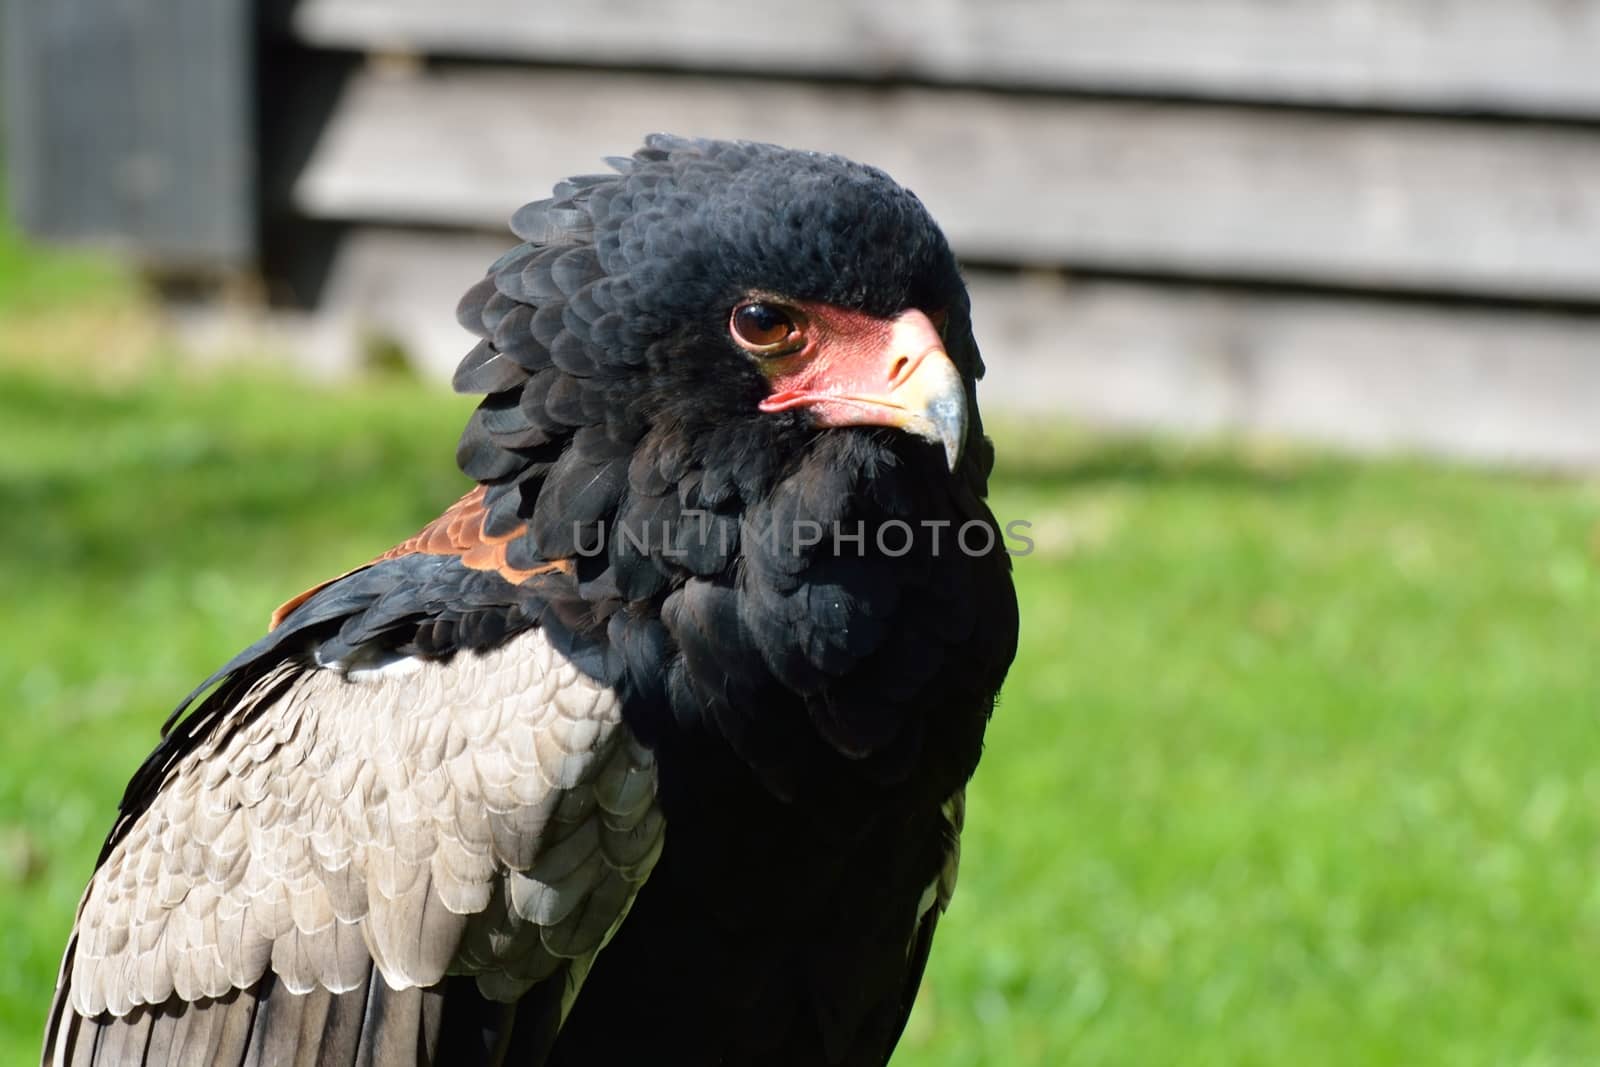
853, 369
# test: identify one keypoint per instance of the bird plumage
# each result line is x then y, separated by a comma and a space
612, 761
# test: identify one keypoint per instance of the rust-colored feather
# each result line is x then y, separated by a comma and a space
457, 532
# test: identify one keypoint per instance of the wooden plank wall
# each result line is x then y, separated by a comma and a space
1374, 202
1530, 57
1372, 222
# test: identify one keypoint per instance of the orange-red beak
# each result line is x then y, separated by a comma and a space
864, 371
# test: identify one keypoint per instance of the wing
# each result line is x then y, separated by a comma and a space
933, 904
326, 862
860, 1027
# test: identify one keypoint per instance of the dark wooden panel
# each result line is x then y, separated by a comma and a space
1531, 56
1355, 201
129, 122
1497, 385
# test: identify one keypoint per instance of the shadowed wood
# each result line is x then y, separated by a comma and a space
131, 125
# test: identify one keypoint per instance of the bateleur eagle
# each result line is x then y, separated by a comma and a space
652, 748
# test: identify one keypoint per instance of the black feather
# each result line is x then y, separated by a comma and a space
479, 456
514, 337
486, 370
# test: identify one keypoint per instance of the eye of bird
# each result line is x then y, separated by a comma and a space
766, 328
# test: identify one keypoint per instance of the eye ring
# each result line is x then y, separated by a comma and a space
767, 328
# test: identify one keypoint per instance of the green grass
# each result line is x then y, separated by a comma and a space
1300, 760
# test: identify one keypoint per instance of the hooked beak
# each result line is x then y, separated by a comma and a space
868, 372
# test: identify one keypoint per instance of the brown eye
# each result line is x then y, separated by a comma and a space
765, 328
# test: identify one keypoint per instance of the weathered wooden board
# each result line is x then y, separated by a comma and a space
131, 124
1201, 191
1505, 386
1496, 385
1532, 56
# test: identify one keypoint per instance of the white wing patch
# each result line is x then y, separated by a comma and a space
488, 815
943, 887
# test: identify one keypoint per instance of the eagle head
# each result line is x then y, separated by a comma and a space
733, 385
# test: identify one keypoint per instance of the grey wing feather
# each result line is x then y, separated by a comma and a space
487, 815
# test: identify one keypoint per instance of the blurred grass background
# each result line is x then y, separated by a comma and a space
1300, 760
